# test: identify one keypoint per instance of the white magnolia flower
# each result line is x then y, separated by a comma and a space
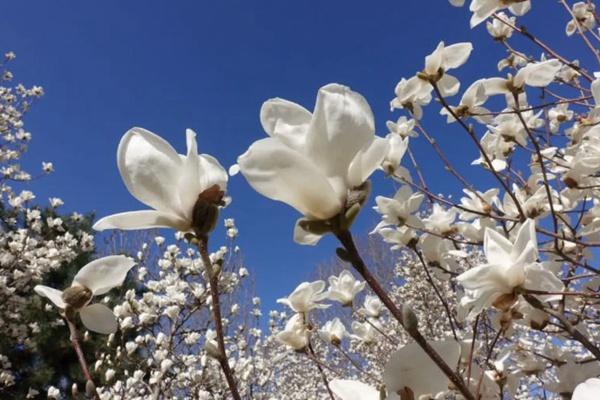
312, 161
403, 127
306, 297
333, 331
373, 307
510, 265
539, 74
479, 202
410, 367
471, 104
440, 220
364, 331
498, 29
167, 182
344, 287
482, 9
344, 389
400, 209
391, 163
588, 390
584, 17
94, 279
295, 334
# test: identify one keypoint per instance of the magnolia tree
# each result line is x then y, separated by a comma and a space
495, 295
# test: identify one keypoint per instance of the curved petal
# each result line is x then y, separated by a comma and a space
103, 274
367, 160
285, 120
99, 318
411, 367
150, 168
145, 219
54, 295
302, 236
496, 247
456, 55
448, 85
280, 173
345, 389
526, 240
198, 173
342, 124
588, 390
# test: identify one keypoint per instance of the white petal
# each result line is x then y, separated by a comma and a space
448, 85
433, 62
144, 219
103, 274
596, 91
456, 55
526, 238
495, 86
367, 160
99, 318
497, 248
342, 124
411, 367
52, 294
539, 74
150, 168
286, 120
345, 389
304, 237
280, 173
588, 390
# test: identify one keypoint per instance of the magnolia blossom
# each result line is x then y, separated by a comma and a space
306, 297
411, 368
94, 279
373, 307
343, 288
333, 331
416, 91
295, 334
313, 162
478, 202
400, 209
482, 9
499, 29
344, 389
365, 332
471, 104
510, 265
583, 13
403, 127
539, 74
588, 390
167, 182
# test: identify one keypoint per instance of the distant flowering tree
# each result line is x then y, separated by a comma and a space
494, 295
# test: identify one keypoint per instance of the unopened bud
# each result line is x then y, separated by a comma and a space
74, 391
90, 389
206, 210
409, 319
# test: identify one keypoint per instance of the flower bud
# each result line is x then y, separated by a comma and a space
409, 319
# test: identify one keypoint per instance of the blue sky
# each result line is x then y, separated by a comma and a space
171, 65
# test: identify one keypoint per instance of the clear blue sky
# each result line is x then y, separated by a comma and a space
208, 65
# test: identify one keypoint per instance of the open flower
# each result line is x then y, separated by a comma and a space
411, 371
176, 187
343, 288
414, 92
482, 9
314, 162
94, 279
295, 334
538, 74
510, 265
333, 331
306, 297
